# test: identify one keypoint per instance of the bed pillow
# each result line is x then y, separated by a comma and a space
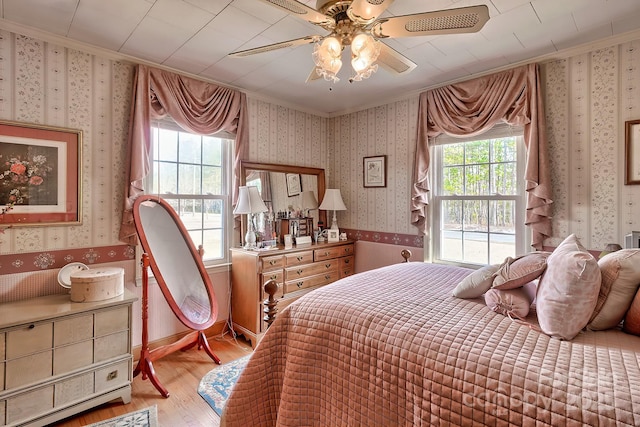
631, 323
568, 290
476, 283
514, 273
620, 282
514, 303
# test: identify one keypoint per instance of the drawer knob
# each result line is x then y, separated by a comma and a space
347, 250
273, 277
32, 326
272, 262
328, 276
299, 272
326, 254
299, 258
346, 261
299, 284
327, 266
112, 375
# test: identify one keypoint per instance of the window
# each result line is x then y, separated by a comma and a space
479, 198
193, 173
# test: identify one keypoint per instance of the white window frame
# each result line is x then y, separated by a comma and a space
522, 234
227, 182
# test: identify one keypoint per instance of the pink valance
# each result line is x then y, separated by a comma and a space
196, 106
473, 107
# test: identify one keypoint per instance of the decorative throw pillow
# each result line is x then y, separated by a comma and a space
514, 273
476, 283
511, 302
568, 290
620, 282
631, 323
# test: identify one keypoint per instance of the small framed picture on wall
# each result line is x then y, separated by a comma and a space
375, 171
294, 184
632, 152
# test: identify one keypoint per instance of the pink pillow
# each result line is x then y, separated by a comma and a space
514, 273
511, 302
568, 290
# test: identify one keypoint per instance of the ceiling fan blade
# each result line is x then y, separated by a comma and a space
451, 21
303, 11
393, 61
366, 11
275, 46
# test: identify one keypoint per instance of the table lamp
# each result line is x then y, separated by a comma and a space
250, 203
309, 202
333, 201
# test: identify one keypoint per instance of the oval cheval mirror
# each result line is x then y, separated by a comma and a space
178, 268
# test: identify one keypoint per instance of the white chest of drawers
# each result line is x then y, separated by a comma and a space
58, 358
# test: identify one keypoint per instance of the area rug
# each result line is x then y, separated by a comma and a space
147, 417
216, 386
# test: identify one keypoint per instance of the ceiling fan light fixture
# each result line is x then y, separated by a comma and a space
364, 53
326, 56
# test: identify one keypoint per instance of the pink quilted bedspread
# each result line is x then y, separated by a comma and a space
392, 347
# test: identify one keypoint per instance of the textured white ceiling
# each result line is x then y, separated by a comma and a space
195, 37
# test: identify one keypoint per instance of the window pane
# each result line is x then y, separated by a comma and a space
190, 148
503, 230
212, 180
504, 149
213, 244
453, 154
167, 145
451, 215
451, 230
213, 214
475, 215
189, 180
212, 151
475, 247
451, 245
452, 181
191, 213
477, 180
167, 178
504, 179
501, 246
476, 152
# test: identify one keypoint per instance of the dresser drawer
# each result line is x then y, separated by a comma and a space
73, 389
29, 369
299, 258
110, 321
26, 405
3, 411
74, 329
347, 266
270, 263
333, 252
273, 275
29, 339
308, 282
302, 271
112, 376
111, 346
73, 356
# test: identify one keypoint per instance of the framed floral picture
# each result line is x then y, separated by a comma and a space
39, 174
632, 152
294, 184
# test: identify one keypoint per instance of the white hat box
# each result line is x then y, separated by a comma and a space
97, 284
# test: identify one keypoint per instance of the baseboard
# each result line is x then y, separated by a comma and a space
215, 329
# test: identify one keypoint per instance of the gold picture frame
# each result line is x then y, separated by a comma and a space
632, 152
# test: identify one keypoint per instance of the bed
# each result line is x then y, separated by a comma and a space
393, 347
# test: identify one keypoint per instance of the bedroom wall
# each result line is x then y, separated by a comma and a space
588, 98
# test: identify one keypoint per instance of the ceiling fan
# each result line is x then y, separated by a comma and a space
356, 23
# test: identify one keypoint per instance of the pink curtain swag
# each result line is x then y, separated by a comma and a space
471, 108
196, 106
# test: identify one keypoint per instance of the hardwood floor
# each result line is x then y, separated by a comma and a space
180, 373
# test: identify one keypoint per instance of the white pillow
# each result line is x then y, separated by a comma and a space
620, 281
568, 290
476, 283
